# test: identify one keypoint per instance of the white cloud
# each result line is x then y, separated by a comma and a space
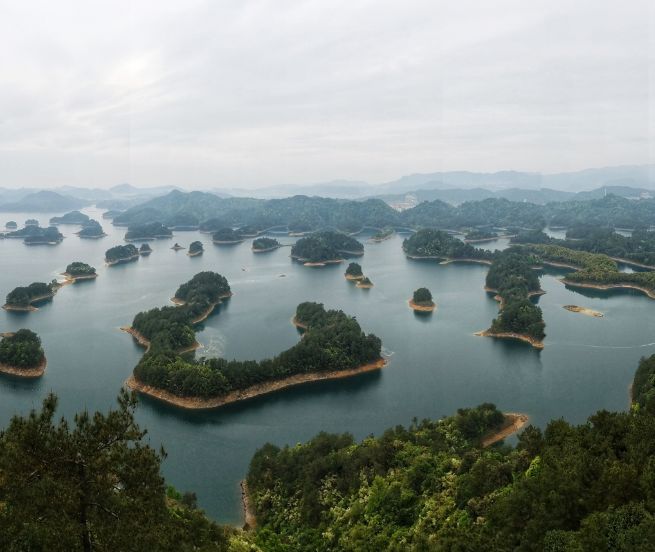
255, 92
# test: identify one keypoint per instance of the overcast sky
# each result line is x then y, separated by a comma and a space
252, 93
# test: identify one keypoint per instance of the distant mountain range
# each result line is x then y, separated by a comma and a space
455, 187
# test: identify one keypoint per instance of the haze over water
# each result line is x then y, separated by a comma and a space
436, 365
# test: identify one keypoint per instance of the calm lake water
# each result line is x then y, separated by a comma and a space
436, 365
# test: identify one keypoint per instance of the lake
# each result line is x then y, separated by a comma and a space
436, 363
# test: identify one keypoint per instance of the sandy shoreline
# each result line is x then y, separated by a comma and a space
265, 250
123, 260
360, 285
28, 373
352, 278
198, 403
511, 335
73, 279
195, 253
628, 262
204, 315
248, 513
583, 310
513, 422
606, 287
422, 308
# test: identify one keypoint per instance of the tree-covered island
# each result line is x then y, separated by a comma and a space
195, 249
177, 247
262, 245
436, 244
121, 254
333, 346
11, 225
354, 272
421, 301
74, 217
480, 235
91, 230
364, 283
80, 271
21, 354
145, 250
23, 298
227, 236
147, 231
326, 247
35, 235
383, 234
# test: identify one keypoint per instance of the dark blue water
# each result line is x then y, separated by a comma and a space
436, 366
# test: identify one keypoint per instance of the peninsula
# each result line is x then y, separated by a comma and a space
121, 254
214, 382
21, 354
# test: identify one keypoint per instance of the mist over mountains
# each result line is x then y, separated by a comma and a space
455, 187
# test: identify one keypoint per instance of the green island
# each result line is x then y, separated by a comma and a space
177, 247
364, 283
227, 236
91, 230
11, 225
121, 254
480, 235
513, 281
249, 231
21, 354
441, 485
333, 346
23, 298
195, 249
262, 245
145, 250
383, 234
31, 222
80, 271
74, 217
354, 272
35, 235
439, 245
327, 247
147, 231
421, 301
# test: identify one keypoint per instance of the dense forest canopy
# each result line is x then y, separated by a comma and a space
121, 252
23, 296
262, 244
355, 270
145, 248
422, 296
325, 246
195, 247
21, 350
74, 217
91, 229
332, 341
432, 487
80, 269
439, 244
93, 484
227, 235
44, 235
147, 231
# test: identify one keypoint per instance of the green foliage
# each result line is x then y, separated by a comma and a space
263, 244
91, 485
481, 234
91, 229
422, 296
435, 243
21, 350
643, 386
24, 296
325, 246
354, 269
38, 235
227, 235
121, 253
333, 341
195, 247
74, 217
80, 269
148, 231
